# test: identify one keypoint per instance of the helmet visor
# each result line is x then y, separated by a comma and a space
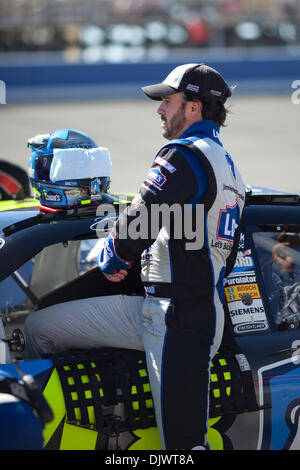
71, 193
42, 167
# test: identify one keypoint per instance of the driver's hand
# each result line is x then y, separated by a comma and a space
116, 277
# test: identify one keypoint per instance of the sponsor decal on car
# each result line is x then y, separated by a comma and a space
243, 296
280, 420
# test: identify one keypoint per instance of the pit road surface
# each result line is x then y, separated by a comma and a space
262, 136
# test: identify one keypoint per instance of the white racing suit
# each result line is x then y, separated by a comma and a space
180, 322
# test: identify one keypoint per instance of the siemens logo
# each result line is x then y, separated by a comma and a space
247, 311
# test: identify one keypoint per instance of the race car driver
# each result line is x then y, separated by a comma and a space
183, 314
180, 321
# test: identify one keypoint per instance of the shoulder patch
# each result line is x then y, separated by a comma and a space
156, 177
165, 164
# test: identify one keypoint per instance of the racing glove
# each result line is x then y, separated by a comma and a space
108, 260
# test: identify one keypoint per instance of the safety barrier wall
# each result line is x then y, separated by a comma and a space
30, 82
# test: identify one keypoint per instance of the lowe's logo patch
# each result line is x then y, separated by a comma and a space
155, 176
51, 196
228, 222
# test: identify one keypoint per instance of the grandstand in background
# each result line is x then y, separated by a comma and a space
135, 30
73, 49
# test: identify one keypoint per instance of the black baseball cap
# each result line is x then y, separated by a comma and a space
193, 78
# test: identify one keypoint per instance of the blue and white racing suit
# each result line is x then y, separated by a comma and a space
183, 313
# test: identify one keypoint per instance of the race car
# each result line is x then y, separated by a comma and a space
101, 399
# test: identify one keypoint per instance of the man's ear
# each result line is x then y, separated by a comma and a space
195, 108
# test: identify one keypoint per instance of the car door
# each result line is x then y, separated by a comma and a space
263, 298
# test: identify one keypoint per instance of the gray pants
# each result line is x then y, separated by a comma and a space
131, 322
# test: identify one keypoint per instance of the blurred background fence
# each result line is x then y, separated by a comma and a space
76, 49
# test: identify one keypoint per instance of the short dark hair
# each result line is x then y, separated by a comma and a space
212, 108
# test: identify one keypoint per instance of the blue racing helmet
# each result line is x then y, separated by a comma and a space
68, 169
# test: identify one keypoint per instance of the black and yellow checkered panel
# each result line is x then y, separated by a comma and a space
109, 389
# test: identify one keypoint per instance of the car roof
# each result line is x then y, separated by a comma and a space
262, 195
